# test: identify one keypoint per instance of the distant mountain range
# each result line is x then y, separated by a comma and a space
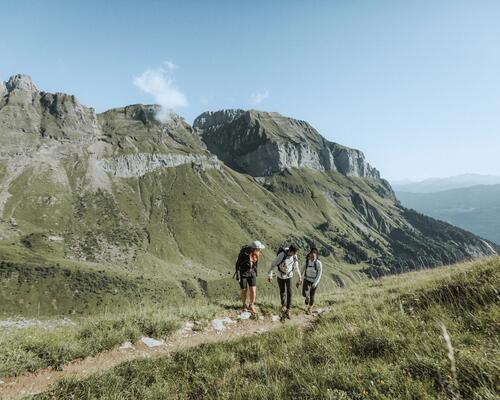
439, 184
475, 208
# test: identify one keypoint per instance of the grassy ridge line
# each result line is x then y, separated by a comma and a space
384, 340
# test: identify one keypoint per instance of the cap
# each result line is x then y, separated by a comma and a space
257, 245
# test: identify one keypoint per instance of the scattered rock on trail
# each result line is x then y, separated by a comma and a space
244, 315
228, 321
127, 345
150, 342
275, 318
188, 326
218, 325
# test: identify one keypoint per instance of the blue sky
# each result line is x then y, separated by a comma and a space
414, 84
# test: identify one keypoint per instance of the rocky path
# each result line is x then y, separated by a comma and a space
25, 385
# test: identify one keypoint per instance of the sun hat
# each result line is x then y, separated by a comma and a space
257, 245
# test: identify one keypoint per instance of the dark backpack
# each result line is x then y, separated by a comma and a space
243, 263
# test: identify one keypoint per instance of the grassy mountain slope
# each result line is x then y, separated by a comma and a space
123, 195
475, 208
420, 335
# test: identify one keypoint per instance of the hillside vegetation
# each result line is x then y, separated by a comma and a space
475, 208
421, 335
97, 208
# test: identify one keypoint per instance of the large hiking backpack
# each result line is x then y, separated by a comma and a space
243, 262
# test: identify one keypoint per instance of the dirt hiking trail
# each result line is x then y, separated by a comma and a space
18, 387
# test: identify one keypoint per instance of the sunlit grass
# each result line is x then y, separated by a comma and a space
382, 340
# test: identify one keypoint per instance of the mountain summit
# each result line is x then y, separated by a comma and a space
262, 143
176, 202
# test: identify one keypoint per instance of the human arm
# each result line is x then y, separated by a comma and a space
318, 275
274, 264
297, 268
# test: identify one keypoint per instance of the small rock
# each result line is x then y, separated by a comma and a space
228, 321
275, 318
261, 318
150, 342
2, 382
55, 238
244, 315
188, 326
126, 345
218, 325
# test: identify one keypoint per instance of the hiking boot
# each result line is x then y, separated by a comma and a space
252, 309
245, 307
307, 300
287, 314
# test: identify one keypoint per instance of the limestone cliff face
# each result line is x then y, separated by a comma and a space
26, 110
139, 164
262, 143
40, 128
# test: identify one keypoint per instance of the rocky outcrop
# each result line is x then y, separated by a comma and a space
59, 116
263, 143
214, 119
3, 90
135, 165
135, 128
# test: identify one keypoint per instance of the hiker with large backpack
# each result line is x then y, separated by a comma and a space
246, 273
313, 270
285, 262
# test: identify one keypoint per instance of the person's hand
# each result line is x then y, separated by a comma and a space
269, 279
298, 284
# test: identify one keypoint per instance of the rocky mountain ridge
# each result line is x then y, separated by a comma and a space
262, 143
124, 190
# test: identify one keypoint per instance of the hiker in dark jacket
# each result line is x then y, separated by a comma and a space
246, 273
313, 270
285, 262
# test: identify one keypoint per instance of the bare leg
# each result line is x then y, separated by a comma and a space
253, 292
244, 297
251, 308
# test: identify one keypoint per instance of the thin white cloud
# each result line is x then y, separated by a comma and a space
160, 84
258, 97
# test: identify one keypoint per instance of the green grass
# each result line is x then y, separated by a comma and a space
30, 349
383, 340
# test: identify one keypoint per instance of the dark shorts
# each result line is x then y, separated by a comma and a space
248, 281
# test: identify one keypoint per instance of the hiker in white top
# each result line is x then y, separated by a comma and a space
286, 261
312, 275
